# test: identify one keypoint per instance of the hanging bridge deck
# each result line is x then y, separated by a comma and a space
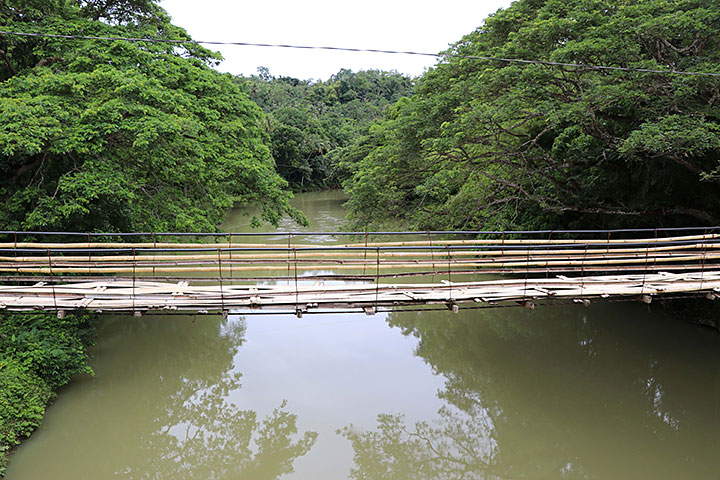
452, 269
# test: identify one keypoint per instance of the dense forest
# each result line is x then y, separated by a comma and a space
490, 144
312, 127
123, 136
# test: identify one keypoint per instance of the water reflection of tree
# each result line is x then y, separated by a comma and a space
455, 447
213, 439
195, 431
556, 393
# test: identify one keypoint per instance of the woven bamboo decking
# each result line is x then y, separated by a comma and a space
451, 269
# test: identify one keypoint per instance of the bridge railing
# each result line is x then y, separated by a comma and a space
352, 255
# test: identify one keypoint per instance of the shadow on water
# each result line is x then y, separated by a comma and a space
172, 401
604, 392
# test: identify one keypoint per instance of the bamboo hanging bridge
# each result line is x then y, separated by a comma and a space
138, 273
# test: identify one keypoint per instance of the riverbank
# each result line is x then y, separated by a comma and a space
39, 353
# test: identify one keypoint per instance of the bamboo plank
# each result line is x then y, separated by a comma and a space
368, 295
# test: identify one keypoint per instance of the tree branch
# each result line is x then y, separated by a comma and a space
9, 64
27, 167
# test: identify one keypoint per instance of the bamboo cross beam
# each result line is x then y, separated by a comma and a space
421, 243
364, 255
53, 268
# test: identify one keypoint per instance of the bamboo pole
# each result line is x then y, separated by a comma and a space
359, 277
414, 265
369, 255
497, 241
425, 243
190, 260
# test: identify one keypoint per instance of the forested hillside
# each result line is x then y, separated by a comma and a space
312, 125
490, 144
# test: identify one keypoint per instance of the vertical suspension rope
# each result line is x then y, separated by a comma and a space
607, 245
230, 252
607, 252
582, 269
527, 272
288, 251
154, 252
298, 311
377, 277
134, 263
502, 248
547, 269
17, 268
647, 260
704, 255
222, 294
365, 253
52, 281
432, 254
450, 292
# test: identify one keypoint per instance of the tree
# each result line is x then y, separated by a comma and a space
313, 126
115, 135
490, 144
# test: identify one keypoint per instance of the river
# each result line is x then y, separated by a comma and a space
613, 391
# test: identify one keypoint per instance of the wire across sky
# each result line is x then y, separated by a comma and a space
365, 50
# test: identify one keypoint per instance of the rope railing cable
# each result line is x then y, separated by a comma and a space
361, 50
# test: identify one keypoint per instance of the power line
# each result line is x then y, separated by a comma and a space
366, 50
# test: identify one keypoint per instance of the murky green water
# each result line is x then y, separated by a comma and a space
607, 392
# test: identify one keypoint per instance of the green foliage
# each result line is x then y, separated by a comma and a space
49, 347
38, 353
23, 397
487, 144
313, 126
121, 135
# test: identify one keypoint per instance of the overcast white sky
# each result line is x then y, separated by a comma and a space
420, 25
